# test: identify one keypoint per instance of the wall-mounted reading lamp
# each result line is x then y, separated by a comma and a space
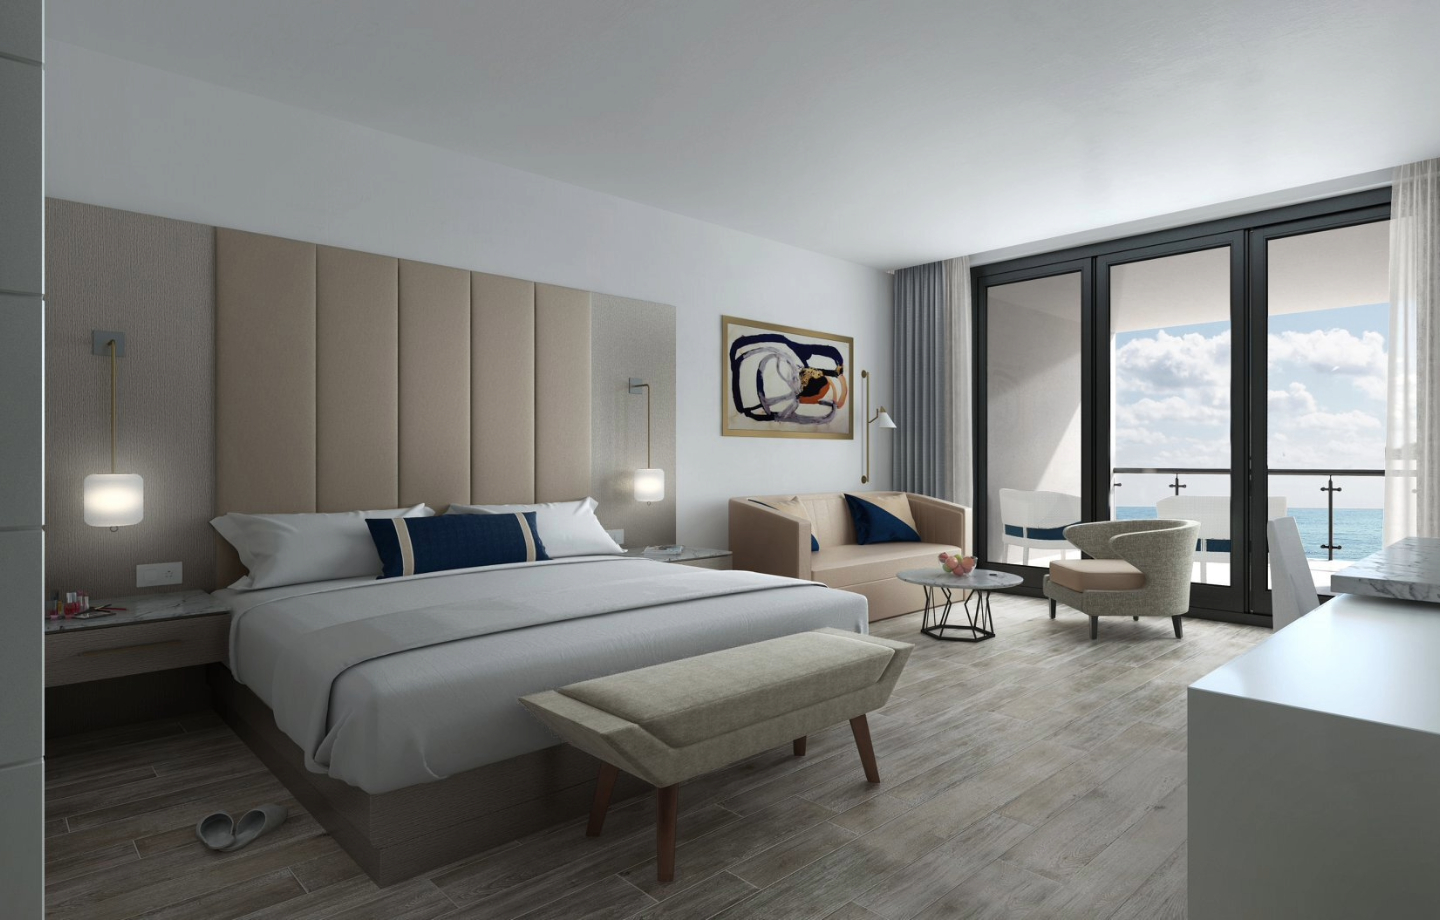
649, 482
113, 499
881, 417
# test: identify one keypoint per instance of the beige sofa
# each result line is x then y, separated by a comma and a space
765, 540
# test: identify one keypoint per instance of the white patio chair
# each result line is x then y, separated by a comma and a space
1037, 520
1213, 513
1292, 591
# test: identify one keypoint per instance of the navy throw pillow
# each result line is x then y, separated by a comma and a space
874, 524
414, 546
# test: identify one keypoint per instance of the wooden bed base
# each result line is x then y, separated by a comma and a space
397, 835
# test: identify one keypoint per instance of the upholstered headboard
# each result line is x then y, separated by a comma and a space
346, 380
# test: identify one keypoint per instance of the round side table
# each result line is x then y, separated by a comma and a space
980, 623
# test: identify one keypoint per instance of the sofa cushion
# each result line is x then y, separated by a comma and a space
882, 518
1096, 575
841, 566
829, 518
687, 701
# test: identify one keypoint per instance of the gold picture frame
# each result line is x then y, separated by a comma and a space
808, 376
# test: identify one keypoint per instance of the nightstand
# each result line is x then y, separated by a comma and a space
155, 632
698, 556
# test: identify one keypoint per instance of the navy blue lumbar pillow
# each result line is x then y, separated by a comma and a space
414, 546
875, 523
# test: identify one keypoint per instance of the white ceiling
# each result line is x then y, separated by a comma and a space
884, 133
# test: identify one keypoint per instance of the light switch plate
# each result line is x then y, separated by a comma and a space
159, 573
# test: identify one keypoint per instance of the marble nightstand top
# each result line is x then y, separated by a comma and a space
1408, 569
143, 608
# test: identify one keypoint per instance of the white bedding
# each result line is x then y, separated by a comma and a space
426, 713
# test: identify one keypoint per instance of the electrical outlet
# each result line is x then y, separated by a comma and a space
618, 535
158, 573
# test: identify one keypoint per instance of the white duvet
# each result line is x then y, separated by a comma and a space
332, 659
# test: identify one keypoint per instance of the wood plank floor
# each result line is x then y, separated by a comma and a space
1037, 775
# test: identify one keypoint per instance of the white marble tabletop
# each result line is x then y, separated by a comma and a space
1408, 569
977, 580
142, 608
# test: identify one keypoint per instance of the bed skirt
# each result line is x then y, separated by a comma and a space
397, 835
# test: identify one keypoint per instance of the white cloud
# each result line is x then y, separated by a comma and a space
1194, 364
1374, 387
1338, 422
1293, 400
1170, 409
1330, 351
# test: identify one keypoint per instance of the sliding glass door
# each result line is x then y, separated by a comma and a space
1321, 330
1226, 373
1176, 397
1036, 381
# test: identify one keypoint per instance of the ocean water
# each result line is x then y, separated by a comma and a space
1358, 530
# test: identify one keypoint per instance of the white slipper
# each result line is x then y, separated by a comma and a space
261, 819
216, 831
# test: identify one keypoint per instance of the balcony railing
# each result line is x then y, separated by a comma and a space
1330, 546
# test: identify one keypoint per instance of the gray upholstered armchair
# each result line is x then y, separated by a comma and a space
1138, 569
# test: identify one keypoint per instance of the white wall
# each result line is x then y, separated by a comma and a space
127, 136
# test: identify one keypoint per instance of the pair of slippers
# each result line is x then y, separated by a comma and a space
222, 833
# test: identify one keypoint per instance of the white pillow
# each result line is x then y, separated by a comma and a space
289, 549
566, 528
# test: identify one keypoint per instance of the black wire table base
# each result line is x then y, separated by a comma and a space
980, 624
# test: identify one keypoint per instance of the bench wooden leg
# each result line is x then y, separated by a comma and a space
1094, 628
667, 809
603, 787
1052, 608
799, 747
1179, 629
861, 729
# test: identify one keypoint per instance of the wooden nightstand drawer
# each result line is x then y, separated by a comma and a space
135, 648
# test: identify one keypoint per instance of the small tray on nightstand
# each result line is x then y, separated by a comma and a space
155, 632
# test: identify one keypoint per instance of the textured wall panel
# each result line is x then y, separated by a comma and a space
264, 378
562, 393
357, 380
153, 279
434, 385
502, 388
632, 338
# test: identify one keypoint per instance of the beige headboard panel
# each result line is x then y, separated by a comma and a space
346, 380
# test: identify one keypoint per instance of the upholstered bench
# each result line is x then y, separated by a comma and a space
672, 722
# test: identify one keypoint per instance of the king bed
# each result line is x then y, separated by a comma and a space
389, 708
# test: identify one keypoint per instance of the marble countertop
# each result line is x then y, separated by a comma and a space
690, 553
143, 608
1366, 658
1408, 569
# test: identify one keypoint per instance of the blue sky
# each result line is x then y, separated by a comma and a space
1326, 402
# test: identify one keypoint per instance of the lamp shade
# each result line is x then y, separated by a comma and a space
649, 485
884, 420
114, 499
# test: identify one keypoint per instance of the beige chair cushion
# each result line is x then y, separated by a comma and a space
842, 566
1096, 575
688, 701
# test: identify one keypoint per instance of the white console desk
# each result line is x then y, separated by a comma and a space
1314, 769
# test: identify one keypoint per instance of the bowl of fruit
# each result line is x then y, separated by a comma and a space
959, 566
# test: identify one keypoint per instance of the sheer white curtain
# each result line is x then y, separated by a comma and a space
960, 381
1412, 455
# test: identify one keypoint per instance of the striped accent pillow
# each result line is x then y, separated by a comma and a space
414, 546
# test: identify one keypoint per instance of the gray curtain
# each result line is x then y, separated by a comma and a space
932, 384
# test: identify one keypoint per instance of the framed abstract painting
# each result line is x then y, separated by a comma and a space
783, 382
